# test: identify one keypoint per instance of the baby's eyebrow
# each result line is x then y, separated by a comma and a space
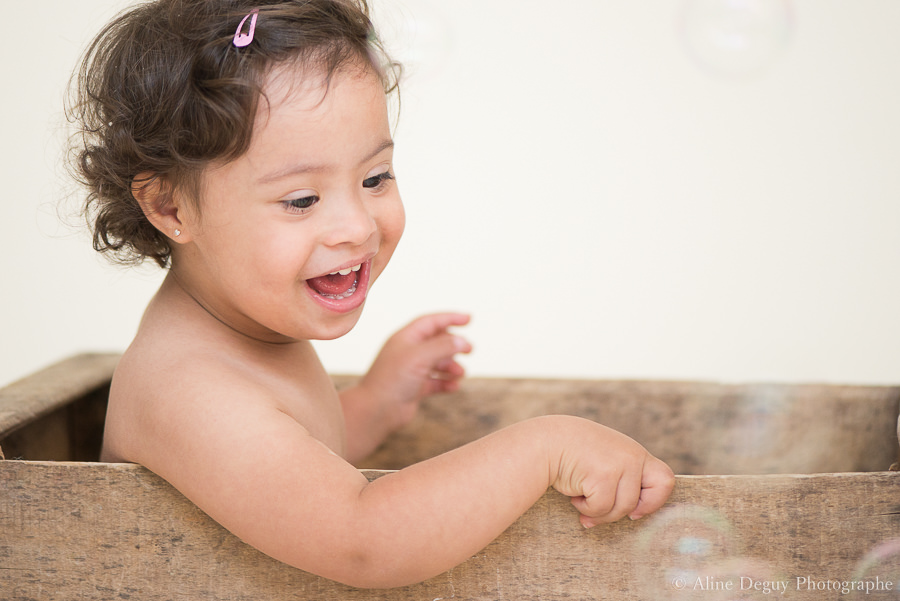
301, 168
389, 143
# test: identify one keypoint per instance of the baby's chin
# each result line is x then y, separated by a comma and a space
325, 338
323, 333
340, 328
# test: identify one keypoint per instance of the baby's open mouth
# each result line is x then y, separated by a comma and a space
337, 285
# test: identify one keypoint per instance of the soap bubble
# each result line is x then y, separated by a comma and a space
879, 566
694, 548
762, 409
686, 542
415, 33
736, 37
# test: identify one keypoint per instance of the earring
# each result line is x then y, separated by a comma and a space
177, 233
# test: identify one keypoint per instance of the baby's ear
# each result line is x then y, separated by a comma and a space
157, 200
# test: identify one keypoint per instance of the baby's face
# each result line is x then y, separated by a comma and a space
291, 235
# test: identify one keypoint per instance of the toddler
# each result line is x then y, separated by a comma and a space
245, 147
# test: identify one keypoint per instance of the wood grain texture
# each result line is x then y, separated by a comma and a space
112, 532
58, 412
50, 389
105, 531
696, 427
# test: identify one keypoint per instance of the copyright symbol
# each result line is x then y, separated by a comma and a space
679, 583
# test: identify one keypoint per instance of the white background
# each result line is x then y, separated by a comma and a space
604, 203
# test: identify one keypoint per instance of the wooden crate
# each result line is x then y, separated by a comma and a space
781, 486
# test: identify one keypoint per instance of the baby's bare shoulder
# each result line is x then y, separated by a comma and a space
165, 393
155, 372
155, 392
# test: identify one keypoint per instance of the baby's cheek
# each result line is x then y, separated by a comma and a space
391, 223
396, 221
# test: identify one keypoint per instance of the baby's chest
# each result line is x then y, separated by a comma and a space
303, 390
317, 407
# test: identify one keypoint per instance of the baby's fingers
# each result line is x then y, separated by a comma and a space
448, 369
606, 506
445, 377
656, 486
437, 353
428, 326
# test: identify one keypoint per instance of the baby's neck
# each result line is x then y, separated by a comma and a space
176, 294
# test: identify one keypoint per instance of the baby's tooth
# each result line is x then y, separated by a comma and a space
347, 271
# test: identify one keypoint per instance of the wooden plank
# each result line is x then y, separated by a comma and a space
57, 413
73, 432
43, 392
696, 427
105, 531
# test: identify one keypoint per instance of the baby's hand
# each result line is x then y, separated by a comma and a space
607, 474
416, 361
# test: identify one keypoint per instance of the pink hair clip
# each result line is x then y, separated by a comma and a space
244, 39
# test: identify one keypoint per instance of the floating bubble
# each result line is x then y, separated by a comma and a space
690, 549
736, 37
681, 544
757, 426
415, 33
879, 567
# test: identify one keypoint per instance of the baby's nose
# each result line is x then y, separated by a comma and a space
352, 223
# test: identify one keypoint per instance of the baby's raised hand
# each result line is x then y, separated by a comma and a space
417, 361
607, 474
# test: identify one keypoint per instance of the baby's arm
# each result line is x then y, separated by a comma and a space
414, 362
261, 475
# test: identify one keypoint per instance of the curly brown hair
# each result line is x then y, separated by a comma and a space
162, 90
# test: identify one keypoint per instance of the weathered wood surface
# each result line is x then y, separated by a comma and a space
697, 427
47, 390
112, 532
100, 531
57, 413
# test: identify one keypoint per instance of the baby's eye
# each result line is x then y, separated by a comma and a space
377, 182
300, 204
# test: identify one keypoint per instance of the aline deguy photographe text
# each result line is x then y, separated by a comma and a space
866, 585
